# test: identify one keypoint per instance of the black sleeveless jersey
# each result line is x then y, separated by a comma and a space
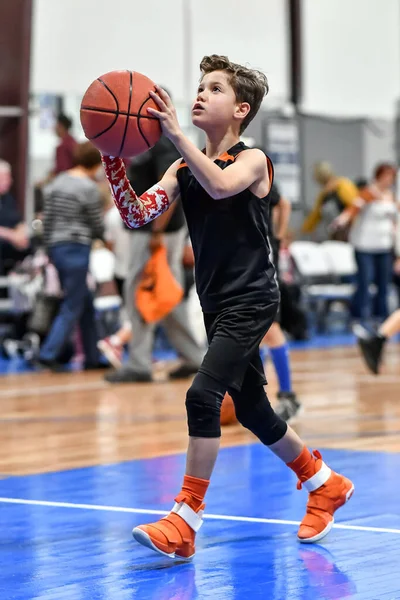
230, 242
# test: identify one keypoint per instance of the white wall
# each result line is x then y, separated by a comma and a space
75, 41
351, 57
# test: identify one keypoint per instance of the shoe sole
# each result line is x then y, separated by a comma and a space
324, 532
372, 363
109, 355
363, 337
145, 540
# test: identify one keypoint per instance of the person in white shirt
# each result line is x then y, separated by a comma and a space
374, 219
372, 344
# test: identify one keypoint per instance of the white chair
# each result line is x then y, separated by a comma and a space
340, 257
321, 277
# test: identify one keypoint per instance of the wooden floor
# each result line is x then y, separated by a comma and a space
52, 422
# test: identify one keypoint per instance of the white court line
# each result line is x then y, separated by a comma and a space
147, 511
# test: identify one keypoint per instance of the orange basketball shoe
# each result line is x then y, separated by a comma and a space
174, 535
328, 491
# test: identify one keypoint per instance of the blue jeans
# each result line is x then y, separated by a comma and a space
72, 263
373, 267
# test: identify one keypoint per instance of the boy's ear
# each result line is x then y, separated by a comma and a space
242, 110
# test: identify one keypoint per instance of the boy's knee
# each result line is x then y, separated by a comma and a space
203, 406
256, 414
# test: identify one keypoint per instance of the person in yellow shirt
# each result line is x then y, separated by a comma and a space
337, 193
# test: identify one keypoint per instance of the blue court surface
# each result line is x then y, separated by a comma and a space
67, 535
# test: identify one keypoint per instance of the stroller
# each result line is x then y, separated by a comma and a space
35, 295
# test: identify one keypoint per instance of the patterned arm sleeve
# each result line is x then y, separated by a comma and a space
135, 210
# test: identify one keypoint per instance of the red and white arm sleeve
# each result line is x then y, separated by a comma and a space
135, 211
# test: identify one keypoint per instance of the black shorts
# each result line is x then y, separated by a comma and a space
234, 337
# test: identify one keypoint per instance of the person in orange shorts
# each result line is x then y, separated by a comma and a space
224, 190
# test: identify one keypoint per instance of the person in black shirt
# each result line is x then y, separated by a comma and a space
169, 229
224, 191
13, 232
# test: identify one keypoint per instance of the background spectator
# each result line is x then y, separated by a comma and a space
73, 218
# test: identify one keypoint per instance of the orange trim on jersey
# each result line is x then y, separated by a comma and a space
270, 170
226, 156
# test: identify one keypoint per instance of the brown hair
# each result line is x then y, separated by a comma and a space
86, 155
249, 85
382, 169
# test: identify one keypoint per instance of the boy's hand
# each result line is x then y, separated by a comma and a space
166, 114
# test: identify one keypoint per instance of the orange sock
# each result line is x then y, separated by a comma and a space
192, 494
195, 488
305, 465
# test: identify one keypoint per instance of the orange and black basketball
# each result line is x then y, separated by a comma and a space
114, 114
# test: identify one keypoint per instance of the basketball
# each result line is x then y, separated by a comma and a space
228, 415
114, 114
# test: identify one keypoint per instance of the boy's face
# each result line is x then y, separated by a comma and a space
216, 103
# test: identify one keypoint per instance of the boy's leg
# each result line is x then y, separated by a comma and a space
328, 490
174, 536
232, 357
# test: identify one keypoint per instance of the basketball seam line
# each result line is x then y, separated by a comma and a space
121, 112
138, 121
116, 113
127, 116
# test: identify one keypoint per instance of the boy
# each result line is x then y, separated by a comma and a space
224, 190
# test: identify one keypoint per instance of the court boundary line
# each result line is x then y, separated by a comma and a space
148, 511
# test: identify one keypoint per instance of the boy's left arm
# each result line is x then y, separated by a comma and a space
249, 167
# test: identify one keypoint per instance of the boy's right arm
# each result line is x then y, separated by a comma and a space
135, 210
